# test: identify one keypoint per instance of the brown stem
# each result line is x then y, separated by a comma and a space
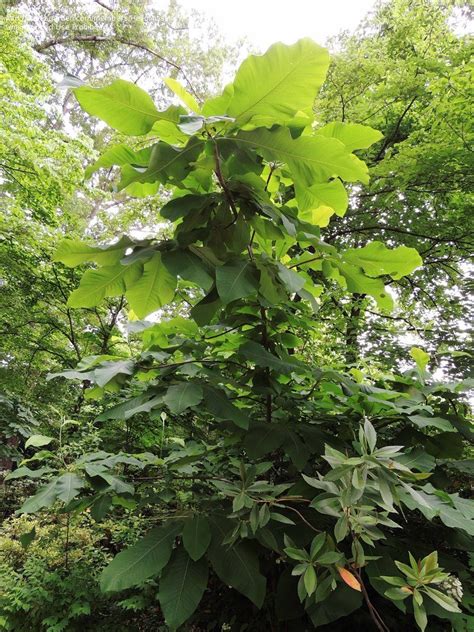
303, 519
376, 618
222, 182
266, 345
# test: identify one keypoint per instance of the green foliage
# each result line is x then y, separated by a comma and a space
145, 559
181, 588
35, 589
268, 474
417, 583
122, 105
220, 224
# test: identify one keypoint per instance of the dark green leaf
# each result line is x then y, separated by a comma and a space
144, 559
182, 586
235, 280
196, 536
181, 396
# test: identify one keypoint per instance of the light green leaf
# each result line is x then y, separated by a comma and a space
311, 159
445, 601
235, 280
182, 586
187, 99
106, 281
358, 283
376, 259
385, 491
317, 544
273, 87
218, 105
154, 289
122, 105
73, 252
310, 580
181, 396
144, 559
421, 357
120, 155
370, 435
395, 594
37, 441
196, 536
420, 616
353, 135
331, 557
319, 202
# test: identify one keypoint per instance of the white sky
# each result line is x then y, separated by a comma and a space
264, 22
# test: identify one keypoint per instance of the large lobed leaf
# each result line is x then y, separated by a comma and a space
154, 289
273, 87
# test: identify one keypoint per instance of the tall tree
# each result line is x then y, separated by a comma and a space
406, 72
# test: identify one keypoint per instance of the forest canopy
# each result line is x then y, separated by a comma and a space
236, 315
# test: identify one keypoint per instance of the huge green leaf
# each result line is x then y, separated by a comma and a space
273, 87
204, 311
376, 259
185, 204
218, 404
37, 441
44, 497
154, 289
188, 266
73, 252
359, 283
318, 202
238, 566
256, 353
106, 371
139, 404
120, 155
181, 396
106, 281
144, 559
235, 280
353, 135
196, 536
182, 586
122, 105
339, 603
68, 486
311, 159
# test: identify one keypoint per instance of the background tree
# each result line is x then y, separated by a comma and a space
406, 72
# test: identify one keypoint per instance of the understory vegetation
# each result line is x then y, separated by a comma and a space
236, 323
